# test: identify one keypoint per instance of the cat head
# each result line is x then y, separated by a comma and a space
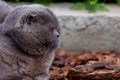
36, 29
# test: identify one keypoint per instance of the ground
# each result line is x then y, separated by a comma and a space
93, 65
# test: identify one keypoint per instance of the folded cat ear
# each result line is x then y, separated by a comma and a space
34, 17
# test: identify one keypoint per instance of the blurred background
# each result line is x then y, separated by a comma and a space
90, 5
54, 1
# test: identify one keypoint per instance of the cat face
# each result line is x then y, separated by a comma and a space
37, 32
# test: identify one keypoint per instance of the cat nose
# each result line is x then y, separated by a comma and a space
56, 33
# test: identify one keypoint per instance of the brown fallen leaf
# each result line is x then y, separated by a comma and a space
92, 65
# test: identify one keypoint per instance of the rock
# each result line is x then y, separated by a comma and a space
90, 32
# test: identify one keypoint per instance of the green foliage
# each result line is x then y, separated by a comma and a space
17, 1
118, 2
90, 5
101, 6
44, 2
78, 5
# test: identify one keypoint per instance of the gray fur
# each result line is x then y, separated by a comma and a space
4, 10
36, 31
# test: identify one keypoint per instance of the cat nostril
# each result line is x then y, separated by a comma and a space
58, 35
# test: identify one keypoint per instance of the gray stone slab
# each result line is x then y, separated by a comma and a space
96, 32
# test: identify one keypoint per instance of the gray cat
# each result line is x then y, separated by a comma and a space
30, 34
